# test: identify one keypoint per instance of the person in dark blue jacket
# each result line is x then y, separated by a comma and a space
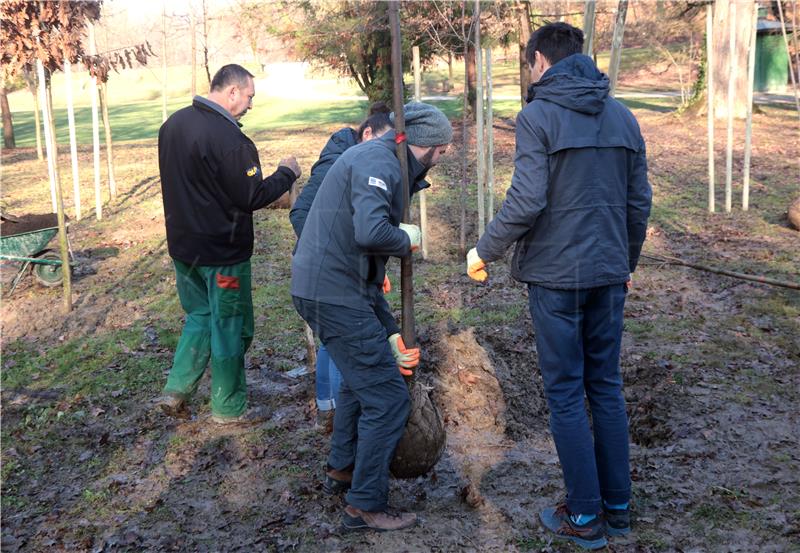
577, 210
337, 273
327, 376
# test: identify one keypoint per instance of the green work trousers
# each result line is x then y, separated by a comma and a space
219, 324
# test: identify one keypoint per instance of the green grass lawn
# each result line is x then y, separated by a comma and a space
135, 105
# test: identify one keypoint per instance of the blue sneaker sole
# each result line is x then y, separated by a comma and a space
618, 532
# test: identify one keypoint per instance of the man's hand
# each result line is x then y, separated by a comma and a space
292, 164
387, 285
407, 358
414, 234
476, 268
629, 283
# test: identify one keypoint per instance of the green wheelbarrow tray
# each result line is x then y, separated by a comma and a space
29, 248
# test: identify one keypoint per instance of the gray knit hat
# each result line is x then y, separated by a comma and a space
426, 125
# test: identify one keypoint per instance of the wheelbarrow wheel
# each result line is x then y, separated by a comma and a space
46, 274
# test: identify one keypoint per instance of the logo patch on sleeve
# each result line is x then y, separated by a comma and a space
252, 171
373, 181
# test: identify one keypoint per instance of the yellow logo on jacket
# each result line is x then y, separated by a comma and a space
252, 171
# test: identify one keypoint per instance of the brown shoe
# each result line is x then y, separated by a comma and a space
384, 521
251, 416
173, 405
337, 481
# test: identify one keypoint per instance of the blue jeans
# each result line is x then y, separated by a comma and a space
329, 379
373, 402
578, 335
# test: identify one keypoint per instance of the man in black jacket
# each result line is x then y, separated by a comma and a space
577, 210
337, 274
211, 182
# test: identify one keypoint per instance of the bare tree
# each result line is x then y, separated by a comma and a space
523, 33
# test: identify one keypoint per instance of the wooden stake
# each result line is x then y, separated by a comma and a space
489, 138
406, 268
616, 45
163, 61
98, 199
479, 120
588, 26
751, 73
112, 183
193, 31
462, 241
52, 156
73, 143
731, 93
710, 94
47, 138
423, 200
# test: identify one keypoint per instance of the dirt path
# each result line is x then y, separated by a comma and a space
710, 365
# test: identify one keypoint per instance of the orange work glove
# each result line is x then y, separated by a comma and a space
407, 358
387, 285
476, 268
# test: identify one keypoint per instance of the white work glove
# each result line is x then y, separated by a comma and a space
476, 267
414, 235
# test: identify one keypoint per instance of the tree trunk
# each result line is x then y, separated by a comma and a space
93, 90
616, 45
163, 62
62, 225
205, 44
588, 27
470, 68
112, 183
524, 33
8, 124
44, 92
193, 31
73, 142
30, 80
722, 57
479, 121
449, 71
462, 242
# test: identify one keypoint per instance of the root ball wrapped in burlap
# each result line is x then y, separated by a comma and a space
424, 439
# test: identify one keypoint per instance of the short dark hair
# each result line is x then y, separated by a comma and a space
555, 41
230, 74
377, 119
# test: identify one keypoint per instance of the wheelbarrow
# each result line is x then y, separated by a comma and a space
30, 249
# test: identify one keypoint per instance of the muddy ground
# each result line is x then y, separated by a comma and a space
710, 365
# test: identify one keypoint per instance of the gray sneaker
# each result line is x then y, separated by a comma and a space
251, 416
618, 522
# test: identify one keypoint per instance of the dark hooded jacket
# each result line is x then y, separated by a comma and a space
339, 141
352, 227
579, 199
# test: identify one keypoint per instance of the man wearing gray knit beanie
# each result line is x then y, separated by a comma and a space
352, 228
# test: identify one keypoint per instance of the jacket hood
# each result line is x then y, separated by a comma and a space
340, 141
574, 83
